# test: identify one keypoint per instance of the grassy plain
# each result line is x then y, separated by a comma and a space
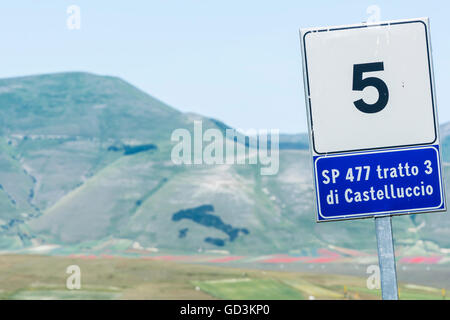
44, 277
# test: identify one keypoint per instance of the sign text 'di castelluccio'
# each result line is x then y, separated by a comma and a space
372, 117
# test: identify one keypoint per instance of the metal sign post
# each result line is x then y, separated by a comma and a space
386, 258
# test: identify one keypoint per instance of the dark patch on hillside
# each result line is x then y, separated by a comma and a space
129, 150
114, 148
182, 233
215, 241
201, 216
11, 223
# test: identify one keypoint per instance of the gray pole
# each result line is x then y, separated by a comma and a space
386, 258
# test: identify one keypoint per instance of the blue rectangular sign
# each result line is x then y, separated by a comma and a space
378, 183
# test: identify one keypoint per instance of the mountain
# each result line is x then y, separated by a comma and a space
85, 164
58, 131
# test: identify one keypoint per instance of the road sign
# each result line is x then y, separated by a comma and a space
373, 126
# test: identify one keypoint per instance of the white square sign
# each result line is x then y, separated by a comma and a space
369, 86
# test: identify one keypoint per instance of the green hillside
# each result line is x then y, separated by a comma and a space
85, 162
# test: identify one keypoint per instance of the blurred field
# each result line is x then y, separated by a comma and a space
245, 289
44, 277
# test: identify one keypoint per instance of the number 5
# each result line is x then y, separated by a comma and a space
359, 84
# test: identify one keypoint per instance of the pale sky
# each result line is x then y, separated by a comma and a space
237, 61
